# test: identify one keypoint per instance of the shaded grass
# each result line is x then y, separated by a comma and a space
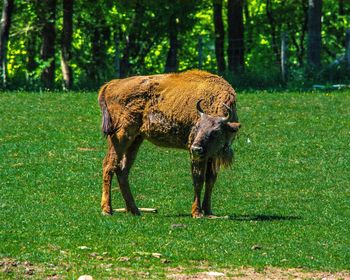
287, 195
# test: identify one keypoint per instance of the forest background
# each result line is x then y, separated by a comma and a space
74, 44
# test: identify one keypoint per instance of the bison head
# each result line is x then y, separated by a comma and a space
212, 135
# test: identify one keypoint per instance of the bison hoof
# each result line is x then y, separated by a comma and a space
106, 209
107, 213
135, 212
197, 215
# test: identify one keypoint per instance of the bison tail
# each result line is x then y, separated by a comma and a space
107, 128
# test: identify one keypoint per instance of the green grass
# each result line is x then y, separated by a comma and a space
288, 191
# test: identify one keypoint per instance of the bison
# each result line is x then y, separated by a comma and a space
193, 110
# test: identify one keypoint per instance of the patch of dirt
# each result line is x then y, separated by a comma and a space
11, 268
267, 273
14, 269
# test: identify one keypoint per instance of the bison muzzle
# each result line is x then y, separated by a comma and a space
193, 110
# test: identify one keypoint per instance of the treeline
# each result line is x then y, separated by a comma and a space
81, 44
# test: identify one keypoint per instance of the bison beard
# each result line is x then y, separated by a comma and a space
166, 110
225, 157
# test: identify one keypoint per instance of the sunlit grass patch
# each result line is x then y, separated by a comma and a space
287, 196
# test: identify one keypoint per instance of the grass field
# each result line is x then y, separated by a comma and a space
287, 195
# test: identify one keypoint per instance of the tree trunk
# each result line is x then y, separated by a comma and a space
347, 47
99, 42
235, 51
97, 69
124, 62
116, 56
66, 46
303, 33
248, 28
314, 34
284, 57
47, 15
171, 64
341, 7
4, 35
200, 52
299, 42
219, 36
131, 48
32, 50
272, 24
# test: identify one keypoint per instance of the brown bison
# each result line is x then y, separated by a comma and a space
193, 110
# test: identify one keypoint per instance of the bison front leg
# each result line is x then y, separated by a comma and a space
210, 178
198, 176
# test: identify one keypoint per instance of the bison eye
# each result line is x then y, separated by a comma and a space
215, 134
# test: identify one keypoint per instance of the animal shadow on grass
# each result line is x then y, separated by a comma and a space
246, 218
262, 218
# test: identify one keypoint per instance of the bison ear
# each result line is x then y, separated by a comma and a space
233, 126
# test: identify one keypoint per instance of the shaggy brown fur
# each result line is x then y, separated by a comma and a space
162, 109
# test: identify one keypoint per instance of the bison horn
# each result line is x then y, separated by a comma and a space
199, 109
229, 115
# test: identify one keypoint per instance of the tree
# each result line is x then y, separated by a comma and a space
100, 37
235, 50
4, 35
172, 64
314, 34
66, 44
131, 47
341, 7
152, 36
142, 34
154, 23
297, 35
219, 36
273, 25
92, 48
178, 17
47, 17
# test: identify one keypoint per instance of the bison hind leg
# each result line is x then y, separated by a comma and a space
109, 164
122, 172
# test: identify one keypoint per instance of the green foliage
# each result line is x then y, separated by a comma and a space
98, 26
288, 191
